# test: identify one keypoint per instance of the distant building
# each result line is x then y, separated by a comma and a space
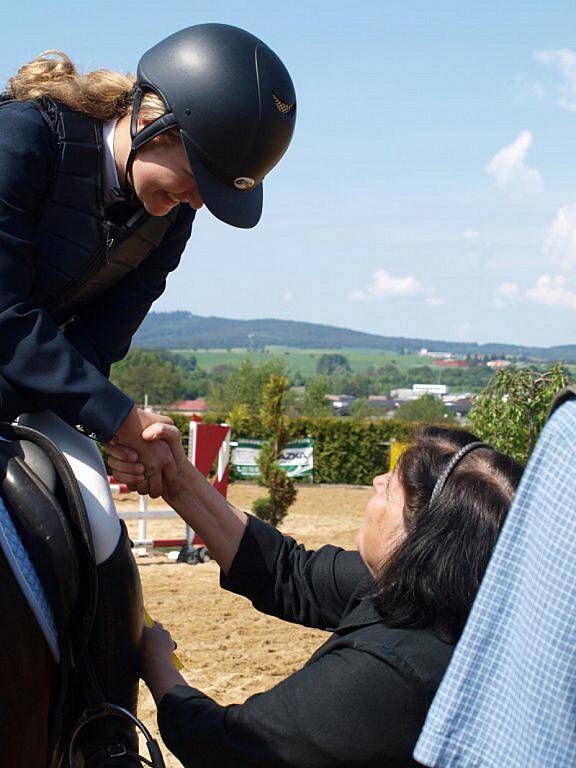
460, 408
380, 401
451, 363
403, 394
189, 407
445, 355
341, 403
455, 397
430, 389
497, 364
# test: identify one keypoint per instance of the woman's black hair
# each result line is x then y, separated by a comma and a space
431, 578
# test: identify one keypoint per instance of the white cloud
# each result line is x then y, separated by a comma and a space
471, 234
564, 61
554, 291
506, 294
509, 168
560, 242
384, 285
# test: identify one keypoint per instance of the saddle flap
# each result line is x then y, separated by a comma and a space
35, 458
28, 484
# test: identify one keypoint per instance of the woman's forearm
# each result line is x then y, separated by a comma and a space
219, 524
161, 679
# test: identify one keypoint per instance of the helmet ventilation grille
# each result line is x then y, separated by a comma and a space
281, 106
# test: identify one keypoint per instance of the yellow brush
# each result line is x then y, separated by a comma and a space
149, 621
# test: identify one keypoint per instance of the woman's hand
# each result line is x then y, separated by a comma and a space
129, 469
170, 434
190, 494
156, 661
153, 467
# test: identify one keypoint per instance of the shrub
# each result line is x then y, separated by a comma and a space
512, 409
281, 489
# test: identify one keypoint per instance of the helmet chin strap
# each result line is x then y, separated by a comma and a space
165, 122
128, 185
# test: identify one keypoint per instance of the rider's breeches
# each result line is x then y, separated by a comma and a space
86, 462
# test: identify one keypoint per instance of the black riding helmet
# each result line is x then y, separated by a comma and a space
235, 105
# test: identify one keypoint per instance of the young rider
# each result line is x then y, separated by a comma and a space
100, 179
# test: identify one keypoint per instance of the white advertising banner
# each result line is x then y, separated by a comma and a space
297, 459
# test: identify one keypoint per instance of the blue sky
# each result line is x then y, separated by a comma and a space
430, 189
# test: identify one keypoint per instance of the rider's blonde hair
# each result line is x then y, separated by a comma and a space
102, 94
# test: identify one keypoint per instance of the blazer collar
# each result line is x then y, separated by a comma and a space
362, 613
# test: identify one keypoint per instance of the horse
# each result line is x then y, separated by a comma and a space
49, 691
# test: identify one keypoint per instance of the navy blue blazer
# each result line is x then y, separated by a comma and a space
41, 366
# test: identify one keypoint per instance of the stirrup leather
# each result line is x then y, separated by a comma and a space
117, 750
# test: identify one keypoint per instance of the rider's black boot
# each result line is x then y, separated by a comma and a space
112, 742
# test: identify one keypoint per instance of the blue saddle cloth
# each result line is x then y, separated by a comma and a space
28, 580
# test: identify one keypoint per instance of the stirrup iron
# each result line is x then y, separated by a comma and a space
113, 710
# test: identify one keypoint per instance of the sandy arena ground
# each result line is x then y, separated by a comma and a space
229, 650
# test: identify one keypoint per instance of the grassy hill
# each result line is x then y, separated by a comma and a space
302, 360
183, 330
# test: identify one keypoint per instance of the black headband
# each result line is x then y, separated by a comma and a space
441, 482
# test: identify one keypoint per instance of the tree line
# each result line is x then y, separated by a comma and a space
167, 376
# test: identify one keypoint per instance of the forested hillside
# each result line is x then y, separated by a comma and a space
183, 330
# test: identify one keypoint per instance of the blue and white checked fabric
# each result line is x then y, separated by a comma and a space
508, 699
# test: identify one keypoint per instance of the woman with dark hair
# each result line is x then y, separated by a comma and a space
449, 529
395, 608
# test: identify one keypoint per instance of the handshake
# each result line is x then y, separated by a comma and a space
147, 454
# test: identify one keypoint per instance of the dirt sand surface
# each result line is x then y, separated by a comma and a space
229, 650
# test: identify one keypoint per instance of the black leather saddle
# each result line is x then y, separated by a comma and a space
44, 502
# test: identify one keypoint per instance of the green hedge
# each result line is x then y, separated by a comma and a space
352, 451
345, 451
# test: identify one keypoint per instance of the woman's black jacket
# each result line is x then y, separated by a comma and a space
362, 698
40, 365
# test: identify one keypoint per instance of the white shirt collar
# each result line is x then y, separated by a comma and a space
111, 183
